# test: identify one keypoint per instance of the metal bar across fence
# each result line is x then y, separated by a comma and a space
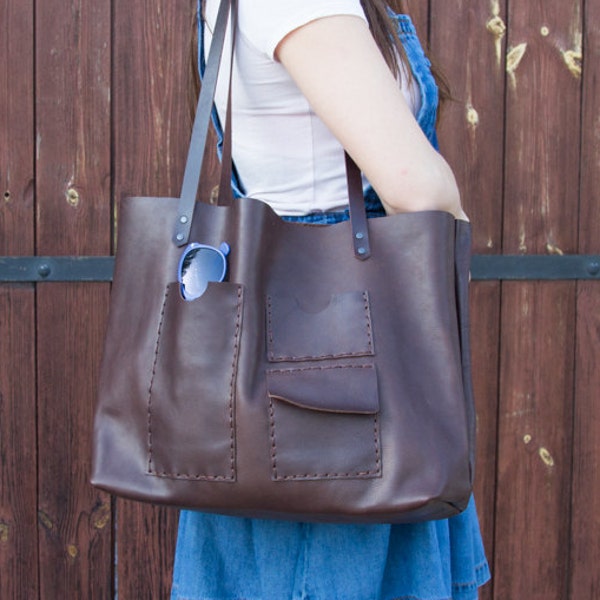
484, 267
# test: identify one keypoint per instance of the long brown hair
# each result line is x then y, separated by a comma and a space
385, 33
382, 29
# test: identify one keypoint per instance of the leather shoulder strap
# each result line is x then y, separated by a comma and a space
195, 159
193, 169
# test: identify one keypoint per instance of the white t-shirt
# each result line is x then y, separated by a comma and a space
283, 153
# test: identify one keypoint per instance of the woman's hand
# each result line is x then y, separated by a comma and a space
338, 67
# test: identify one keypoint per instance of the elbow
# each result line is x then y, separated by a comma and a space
431, 188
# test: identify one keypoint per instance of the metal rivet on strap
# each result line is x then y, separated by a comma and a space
360, 236
362, 251
179, 237
183, 219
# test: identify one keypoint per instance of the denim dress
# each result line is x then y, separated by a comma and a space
232, 558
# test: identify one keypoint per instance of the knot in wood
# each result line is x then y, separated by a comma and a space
496, 27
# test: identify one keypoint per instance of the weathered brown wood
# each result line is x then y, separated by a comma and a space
146, 549
73, 218
151, 82
16, 128
419, 13
538, 319
75, 520
18, 460
472, 123
471, 139
532, 529
485, 331
152, 129
585, 530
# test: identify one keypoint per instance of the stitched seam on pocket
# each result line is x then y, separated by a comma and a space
231, 476
149, 408
236, 349
310, 476
282, 358
294, 370
369, 325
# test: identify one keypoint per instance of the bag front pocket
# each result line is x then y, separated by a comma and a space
191, 416
341, 330
323, 423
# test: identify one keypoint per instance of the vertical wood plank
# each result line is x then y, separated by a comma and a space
419, 14
73, 187
485, 340
469, 39
18, 460
151, 80
538, 318
152, 43
533, 495
18, 457
585, 531
16, 128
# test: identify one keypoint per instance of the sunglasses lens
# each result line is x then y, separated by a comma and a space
199, 266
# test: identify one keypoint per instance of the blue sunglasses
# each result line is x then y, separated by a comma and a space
198, 265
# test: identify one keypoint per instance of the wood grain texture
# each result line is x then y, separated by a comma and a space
16, 128
471, 138
471, 130
419, 11
151, 80
542, 127
585, 531
485, 340
18, 459
585, 505
75, 520
535, 422
151, 83
538, 318
73, 218
146, 549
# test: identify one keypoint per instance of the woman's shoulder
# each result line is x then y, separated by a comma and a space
266, 22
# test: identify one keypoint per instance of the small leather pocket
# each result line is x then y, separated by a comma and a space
340, 330
324, 423
191, 429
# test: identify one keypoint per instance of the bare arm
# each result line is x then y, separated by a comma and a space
337, 65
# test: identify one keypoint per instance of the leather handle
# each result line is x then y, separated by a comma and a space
358, 210
225, 197
195, 159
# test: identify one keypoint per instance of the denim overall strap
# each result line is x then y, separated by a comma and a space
420, 67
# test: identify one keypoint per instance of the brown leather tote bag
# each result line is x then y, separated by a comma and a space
326, 379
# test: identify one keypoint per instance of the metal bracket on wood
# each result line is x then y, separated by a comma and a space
484, 267
535, 267
35, 269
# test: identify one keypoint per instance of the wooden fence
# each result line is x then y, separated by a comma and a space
93, 106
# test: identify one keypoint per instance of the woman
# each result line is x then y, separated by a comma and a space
310, 78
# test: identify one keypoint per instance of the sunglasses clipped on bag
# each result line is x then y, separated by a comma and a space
199, 264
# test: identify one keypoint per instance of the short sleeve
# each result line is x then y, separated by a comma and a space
266, 22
